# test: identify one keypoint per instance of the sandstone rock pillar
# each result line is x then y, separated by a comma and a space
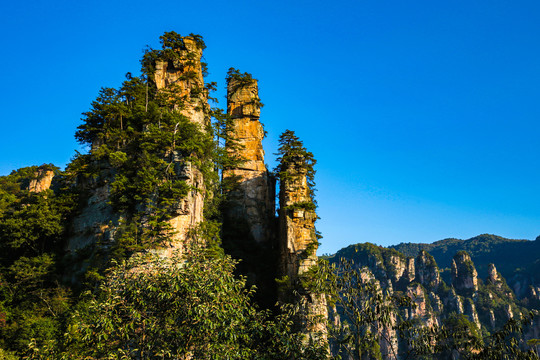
251, 201
298, 246
464, 275
249, 211
181, 79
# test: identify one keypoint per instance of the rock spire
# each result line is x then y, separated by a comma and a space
297, 235
182, 78
251, 200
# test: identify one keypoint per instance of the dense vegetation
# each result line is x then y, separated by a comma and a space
103, 301
116, 299
375, 301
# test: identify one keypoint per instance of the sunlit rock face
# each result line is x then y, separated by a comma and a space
298, 244
252, 198
181, 79
41, 181
297, 225
427, 271
464, 275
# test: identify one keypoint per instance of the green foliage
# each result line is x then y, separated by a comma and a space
294, 162
507, 254
365, 310
169, 308
32, 229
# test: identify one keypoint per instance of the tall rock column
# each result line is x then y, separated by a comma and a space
464, 275
180, 79
297, 235
252, 198
248, 228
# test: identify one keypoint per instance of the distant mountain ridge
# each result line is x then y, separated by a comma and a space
512, 257
453, 279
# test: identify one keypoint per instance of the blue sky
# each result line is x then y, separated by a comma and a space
423, 115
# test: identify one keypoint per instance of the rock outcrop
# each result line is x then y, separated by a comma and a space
494, 277
427, 271
249, 232
179, 81
298, 245
464, 275
298, 240
42, 180
182, 78
251, 200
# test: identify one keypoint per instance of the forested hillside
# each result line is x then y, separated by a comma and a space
517, 260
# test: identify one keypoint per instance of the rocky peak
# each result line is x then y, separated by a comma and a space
182, 77
297, 236
427, 271
42, 180
252, 198
178, 77
297, 223
464, 275
494, 277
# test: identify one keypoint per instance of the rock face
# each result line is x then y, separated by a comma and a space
298, 244
249, 212
96, 222
42, 180
181, 82
427, 272
297, 225
493, 275
252, 198
183, 77
464, 275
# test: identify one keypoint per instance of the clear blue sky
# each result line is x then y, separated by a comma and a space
423, 115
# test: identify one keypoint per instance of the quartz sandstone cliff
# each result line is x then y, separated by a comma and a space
251, 200
298, 245
42, 180
183, 77
249, 210
181, 81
